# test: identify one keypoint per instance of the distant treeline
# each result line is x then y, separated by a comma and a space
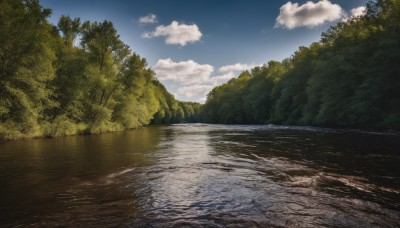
351, 78
51, 85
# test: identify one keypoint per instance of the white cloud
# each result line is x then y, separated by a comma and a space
199, 91
237, 67
359, 11
176, 33
218, 80
309, 14
192, 81
147, 35
195, 90
148, 19
184, 72
203, 100
356, 12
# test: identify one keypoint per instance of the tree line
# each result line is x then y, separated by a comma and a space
52, 83
350, 78
79, 77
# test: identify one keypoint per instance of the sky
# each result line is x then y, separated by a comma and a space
194, 46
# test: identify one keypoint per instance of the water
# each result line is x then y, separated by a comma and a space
203, 175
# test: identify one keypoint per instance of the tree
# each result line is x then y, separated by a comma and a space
26, 65
350, 78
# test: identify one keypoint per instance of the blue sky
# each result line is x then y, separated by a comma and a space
196, 45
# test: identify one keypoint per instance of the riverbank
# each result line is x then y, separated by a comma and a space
86, 131
56, 132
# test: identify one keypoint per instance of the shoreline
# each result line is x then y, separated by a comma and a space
376, 131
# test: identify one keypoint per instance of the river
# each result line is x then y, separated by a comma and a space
203, 175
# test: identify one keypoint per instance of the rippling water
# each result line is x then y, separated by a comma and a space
203, 175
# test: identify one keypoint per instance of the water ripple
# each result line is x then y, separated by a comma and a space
211, 176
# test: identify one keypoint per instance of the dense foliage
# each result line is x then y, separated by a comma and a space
351, 78
50, 85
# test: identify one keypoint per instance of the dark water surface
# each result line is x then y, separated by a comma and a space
203, 175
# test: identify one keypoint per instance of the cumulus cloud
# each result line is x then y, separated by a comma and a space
203, 100
148, 19
195, 90
199, 91
176, 33
220, 79
356, 12
359, 11
189, 80
184, 72
237, 67
293, 15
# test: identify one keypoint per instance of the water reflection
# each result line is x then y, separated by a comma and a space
204, 175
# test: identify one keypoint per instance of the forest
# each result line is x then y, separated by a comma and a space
350, 78
54, 84
51, 85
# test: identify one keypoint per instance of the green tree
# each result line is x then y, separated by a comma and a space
26, 66
106, 55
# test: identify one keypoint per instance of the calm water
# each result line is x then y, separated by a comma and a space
203, 175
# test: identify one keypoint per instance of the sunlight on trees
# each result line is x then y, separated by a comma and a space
51, 87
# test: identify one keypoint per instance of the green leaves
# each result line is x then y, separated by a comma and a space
26, 67
50, 86
349, 79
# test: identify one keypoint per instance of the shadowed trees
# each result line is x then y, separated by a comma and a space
351, 78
